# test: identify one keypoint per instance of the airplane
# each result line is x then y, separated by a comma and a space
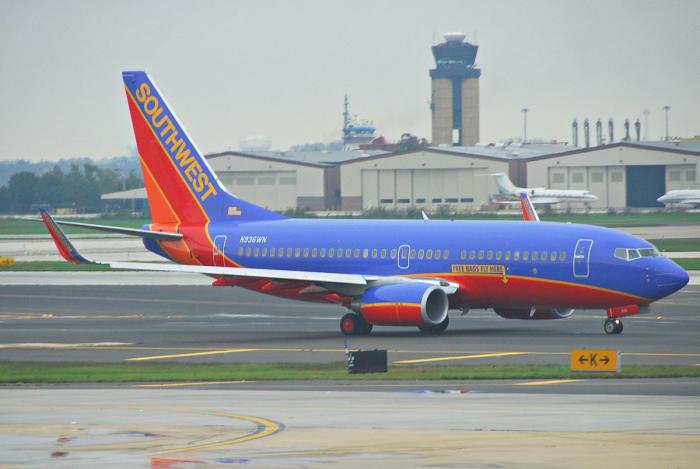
681, 196
540, 195
385, 272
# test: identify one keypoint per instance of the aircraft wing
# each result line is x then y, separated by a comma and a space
113, 229
327, 279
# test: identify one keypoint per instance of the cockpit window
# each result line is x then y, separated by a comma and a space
630, 254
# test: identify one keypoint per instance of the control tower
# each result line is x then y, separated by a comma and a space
455, 92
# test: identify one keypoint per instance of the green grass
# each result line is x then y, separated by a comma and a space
51, 266
677, 245
18, 372
688, 264
26, 227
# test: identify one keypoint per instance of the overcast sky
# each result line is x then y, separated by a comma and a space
233, 69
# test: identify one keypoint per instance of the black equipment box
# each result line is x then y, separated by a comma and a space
369, 361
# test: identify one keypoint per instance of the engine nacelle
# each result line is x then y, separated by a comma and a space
533, 313
403, 304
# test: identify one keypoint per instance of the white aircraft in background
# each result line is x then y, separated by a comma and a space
540, 195
681, 196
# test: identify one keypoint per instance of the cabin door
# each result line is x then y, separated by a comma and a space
582, 255
218, 253
403, 256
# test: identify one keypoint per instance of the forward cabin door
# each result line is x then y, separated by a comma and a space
582, 255
219, 246
403, 256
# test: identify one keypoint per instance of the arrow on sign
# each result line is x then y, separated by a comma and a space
605, 360
582, 359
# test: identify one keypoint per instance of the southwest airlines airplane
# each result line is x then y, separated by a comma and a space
386, 272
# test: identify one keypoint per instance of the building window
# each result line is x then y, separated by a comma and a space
577, 177
245, 181
288, 179
403, 201
266, 180
386, 201
420, 200
558, 178
452, 200
690, 175
597, 176
437, 201
616, 176
466, 199
674, 175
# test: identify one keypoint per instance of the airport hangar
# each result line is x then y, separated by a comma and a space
622, 174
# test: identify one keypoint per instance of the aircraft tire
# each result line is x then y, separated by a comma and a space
350, 324
612, 326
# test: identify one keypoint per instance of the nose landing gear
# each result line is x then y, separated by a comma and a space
612, 326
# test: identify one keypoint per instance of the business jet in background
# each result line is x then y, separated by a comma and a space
385, 272
681, 196
540, 195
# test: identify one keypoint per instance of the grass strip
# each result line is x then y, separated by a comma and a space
677, 245
688, 264
51, 266
33, 372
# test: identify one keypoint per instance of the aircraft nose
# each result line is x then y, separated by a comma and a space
670, 277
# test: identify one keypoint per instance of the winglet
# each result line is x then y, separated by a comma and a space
529, 212
425, 217
65, 247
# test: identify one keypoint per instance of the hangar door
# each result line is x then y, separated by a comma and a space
645, 184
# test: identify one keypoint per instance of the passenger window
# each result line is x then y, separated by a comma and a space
306, 252
481, 254
272, 252
562, 256
463, 254
256, 252
489, 255
438, 254
322, 252
526, 255
383, 254
535, 256
331, 252
421, 254
393, 253
516, 255
429, 254
553, 256
543, 256
365, 253
264, 252
357, 253
499, 255
280, 252
314, 252
239, 251
445, 253
507, 256
340, 253
248, 251
374, 253
297, 252
348, 252
413, 253
472, 255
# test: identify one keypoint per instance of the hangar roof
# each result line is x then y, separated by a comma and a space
306, 158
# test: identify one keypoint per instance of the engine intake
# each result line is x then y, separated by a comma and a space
533, 313
404, 304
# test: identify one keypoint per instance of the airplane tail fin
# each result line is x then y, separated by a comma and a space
181, 186
529, 212
505, 186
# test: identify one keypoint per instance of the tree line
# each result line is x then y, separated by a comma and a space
79, 188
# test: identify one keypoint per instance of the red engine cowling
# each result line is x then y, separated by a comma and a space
534, 313
403, 304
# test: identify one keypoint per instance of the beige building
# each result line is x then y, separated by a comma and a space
430, 179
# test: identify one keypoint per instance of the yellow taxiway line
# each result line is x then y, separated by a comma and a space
194, 354
460, 357
548, 382
264, 428
192, 383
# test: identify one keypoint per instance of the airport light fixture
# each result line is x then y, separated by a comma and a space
666, 109
524, 111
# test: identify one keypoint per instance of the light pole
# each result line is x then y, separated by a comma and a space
667, 108
646, 124
524, 111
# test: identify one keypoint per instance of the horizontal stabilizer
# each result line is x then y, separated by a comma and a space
116, 229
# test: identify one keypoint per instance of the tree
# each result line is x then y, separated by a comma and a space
22, 191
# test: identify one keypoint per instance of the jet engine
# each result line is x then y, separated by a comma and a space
534, 313
403, 304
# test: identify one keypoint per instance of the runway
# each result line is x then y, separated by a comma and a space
162, 323
184, 428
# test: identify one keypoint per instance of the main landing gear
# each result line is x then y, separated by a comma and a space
435, 327
354, 324
612, 326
